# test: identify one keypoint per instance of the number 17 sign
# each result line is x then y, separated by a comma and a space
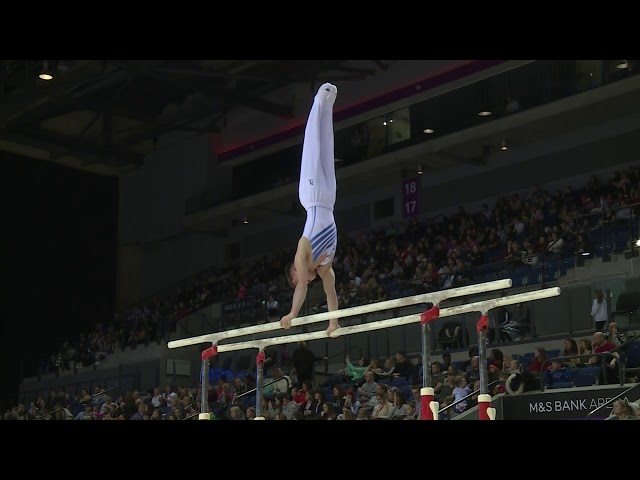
410, 196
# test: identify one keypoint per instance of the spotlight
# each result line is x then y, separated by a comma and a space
484, 113
428, 130
420, 171
245, 220
623, 64
504, 145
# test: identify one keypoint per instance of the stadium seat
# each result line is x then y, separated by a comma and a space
586, 377
631, 366
406, 390
459, 364
400, 382
562, 385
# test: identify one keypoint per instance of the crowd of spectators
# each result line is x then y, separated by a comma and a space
401, 259
372, 389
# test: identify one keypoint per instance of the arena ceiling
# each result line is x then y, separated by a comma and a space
102, 115
618, 101
109, 113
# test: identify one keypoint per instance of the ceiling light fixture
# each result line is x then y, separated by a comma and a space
45, 72
420, 171
245, 220
428, 130
504, 145
623, 64
484, 113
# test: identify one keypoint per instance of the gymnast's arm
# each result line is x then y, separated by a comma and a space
300, 292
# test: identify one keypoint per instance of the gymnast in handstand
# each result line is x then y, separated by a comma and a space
317, 193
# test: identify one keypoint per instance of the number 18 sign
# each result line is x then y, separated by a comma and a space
410, 196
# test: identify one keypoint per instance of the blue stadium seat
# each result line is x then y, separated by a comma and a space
550, 270
632, 355
517, 279
562, 385
399, 382
459, 364
632, 360
570, 262
406, 390
586, 377
533, 276
564, 266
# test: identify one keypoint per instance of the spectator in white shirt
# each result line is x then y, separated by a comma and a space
599, 311
155, 400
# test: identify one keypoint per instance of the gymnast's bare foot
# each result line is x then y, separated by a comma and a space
332, 328
327, 91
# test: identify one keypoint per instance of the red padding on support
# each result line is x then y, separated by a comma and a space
212, 351
482, 410
483, 323
260, 357
430, 315
425, 405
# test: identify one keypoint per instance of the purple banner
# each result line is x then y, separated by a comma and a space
411, 196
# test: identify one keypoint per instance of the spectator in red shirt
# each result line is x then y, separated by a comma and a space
600, 345
539, 357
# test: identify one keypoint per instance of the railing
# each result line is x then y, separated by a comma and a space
619, 361
86, 384
325, 360
492, 270
63, 408
622, 348
588, 355
476, 392
203, 317
605, 231
234, 401
611, 400
313, 369
253, 390
193, 415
